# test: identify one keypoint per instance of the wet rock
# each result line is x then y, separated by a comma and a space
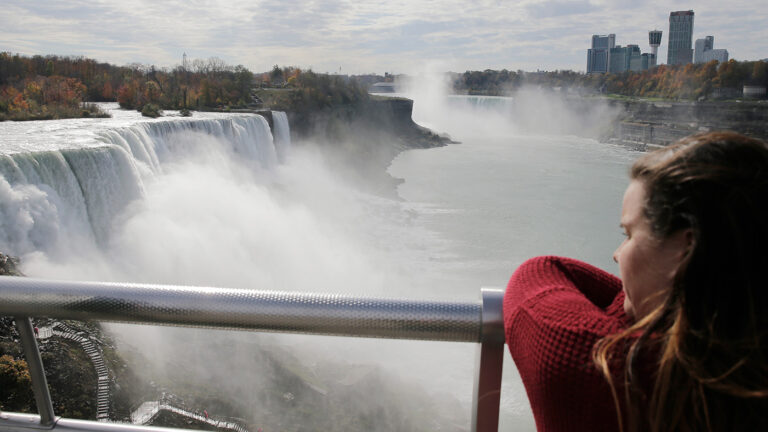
9, 265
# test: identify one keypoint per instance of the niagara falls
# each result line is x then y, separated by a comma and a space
313, 216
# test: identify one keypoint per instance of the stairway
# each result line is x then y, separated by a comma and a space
147, 412
94, 353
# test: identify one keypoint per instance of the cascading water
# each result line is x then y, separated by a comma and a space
282, 135
152, 144
83, 189
205, 202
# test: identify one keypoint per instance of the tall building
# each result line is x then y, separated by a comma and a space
702, 45
599, 56
654, 40
705, 51
621, 58
645, 61
680, 37
607, 57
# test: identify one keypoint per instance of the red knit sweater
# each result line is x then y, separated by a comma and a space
555, 309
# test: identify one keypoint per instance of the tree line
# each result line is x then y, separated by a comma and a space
205, 83
690, 81
56, 86
41, 87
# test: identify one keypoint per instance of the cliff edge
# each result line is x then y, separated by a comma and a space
358, 135
650, 124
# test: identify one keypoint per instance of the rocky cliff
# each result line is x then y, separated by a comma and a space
654, 124
386, 118
361, 139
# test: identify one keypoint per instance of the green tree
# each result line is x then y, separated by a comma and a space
729, 74
760, 73
15, 385
276, 76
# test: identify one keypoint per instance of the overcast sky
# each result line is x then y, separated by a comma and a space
397, 36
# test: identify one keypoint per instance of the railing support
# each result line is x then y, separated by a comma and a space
36, 371
489, 362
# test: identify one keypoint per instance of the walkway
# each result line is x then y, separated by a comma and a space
147, 411
94, 352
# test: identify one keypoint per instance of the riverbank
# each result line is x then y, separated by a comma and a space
55, 112
652, 124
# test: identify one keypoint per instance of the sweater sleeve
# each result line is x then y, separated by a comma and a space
555, 310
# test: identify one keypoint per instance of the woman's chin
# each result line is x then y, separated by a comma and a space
628, 308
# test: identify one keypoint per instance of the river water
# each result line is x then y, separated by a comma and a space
502, 196
509, 192
198, 212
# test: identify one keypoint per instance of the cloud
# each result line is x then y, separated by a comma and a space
364, 36
550, 9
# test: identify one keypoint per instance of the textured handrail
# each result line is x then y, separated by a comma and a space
276, 311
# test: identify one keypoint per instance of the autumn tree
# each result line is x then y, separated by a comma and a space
760, 73
128, 95
15, 385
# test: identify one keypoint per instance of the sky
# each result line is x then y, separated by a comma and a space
358, 37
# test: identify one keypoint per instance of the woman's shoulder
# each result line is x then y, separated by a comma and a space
555, 310
556, 279
556, 300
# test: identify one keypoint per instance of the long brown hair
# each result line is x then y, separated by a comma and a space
707, 343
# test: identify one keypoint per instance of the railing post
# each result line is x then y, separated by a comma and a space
489, 362
36, 371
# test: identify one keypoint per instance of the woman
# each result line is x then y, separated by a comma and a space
680, 342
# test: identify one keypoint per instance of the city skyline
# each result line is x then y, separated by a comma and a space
681, 48
365, 37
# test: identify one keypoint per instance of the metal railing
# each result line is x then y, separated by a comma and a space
270, 311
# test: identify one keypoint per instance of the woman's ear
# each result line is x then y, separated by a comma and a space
678, 246
683, 242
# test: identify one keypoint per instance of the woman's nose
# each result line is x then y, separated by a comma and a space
616, 255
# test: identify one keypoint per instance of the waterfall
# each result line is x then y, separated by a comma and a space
282, 135
49, 196
152, 144
108, 180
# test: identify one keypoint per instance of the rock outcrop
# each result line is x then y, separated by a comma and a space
655, 124
9, 266
362, 139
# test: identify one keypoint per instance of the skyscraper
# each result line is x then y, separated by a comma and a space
680, 37
599, 56
705, 51
621, 58
642, 62
702, 45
